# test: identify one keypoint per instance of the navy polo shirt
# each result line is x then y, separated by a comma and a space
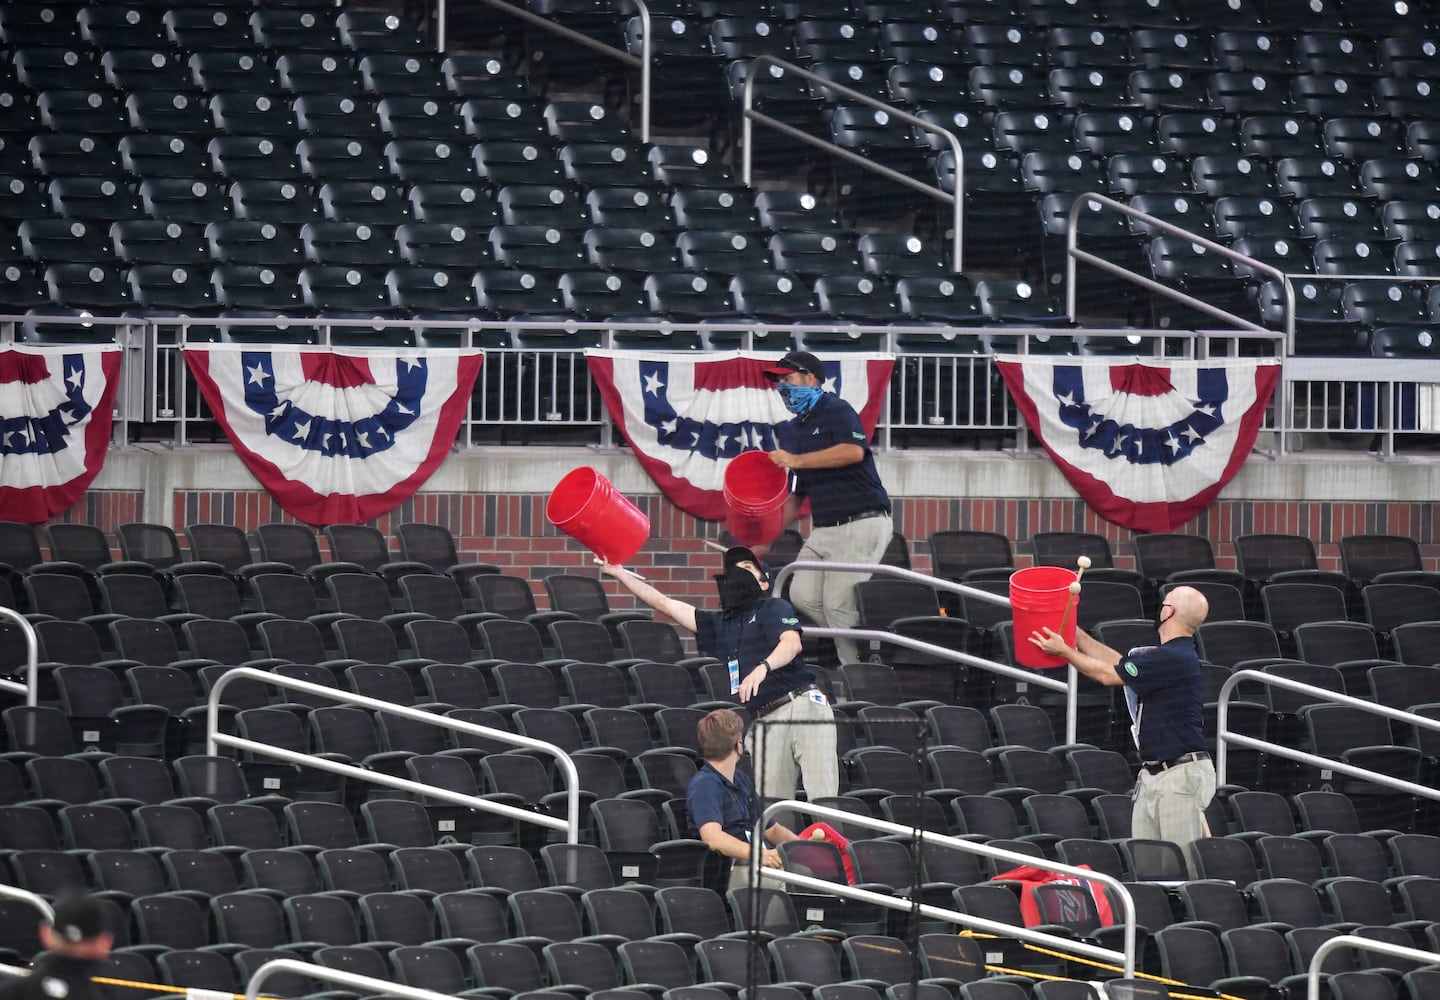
834, 493
1165, 695
711, 798
55, 976
750, 637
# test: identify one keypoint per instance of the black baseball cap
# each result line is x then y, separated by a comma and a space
737, 554
796, 361
78, 918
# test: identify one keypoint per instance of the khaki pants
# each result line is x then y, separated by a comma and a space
798, 738
1171, 805
829, 598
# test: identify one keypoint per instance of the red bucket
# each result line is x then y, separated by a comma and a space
590, 510
1038, 599
755, 490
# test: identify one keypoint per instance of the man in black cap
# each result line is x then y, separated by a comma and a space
759, 637
76, 942
828, 455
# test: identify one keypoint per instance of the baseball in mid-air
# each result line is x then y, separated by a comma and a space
1083, 562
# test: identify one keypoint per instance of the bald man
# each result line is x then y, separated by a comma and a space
1163, 690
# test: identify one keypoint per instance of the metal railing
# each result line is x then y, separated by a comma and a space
942, 394
1224, 737
42, 907
1124, 958
956, 198
1068, 687
368, 985
25, 896
215, 739
1074, 255
31, 688
642, 61
1312, 975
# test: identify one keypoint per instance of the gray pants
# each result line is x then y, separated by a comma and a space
1171, 805
829, 598
798, 738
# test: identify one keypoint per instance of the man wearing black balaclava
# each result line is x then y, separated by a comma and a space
759, 637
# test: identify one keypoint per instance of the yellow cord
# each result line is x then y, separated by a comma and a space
158, 988
1093, 964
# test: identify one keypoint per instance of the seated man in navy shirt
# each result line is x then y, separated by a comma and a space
721, 799
1165, 695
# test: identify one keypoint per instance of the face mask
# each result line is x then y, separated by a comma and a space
800, 399
739, 589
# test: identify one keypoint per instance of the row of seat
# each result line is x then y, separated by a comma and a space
105, 82
1386, 317
620, 229
520, 968
1073, 45
473, 206
1267, 840
899, 33
224, 71
260, 300
962, 555
238, 26
895, 759
197, 847
317, 910
1205, 139
1223, 92
281, 890
1258, 557
335, 159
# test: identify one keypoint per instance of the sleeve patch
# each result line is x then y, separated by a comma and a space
1131, 669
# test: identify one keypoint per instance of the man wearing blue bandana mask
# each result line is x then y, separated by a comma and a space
828, 455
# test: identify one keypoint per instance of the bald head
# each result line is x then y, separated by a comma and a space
1190, 608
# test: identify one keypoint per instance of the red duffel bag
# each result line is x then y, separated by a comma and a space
1059, 907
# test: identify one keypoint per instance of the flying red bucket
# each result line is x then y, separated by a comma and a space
590, 510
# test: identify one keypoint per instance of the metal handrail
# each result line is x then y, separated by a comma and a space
1126, 958
1223, 736
1312, 975
169, 399
371, 986
1073, 253
749, 115
47, 913
214, 739
31, 688
25, 896
642, 61
1069, 686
